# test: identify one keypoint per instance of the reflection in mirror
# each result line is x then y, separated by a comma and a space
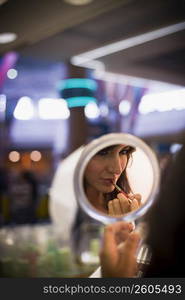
116, 178
112, 179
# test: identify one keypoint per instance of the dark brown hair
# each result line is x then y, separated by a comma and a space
166, 223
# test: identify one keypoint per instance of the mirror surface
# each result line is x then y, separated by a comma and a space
113, 181
116, 177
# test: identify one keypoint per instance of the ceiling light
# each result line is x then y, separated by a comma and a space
124, 107
7, 37
78, 2
53, 109
82, 58
161, 102
92, 111
79, 101
74, 83
24, 109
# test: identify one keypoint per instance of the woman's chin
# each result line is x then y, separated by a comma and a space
104, 188
108, 189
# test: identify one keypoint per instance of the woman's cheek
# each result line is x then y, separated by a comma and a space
124, 163
93, 168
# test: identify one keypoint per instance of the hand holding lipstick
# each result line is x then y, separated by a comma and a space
124, 204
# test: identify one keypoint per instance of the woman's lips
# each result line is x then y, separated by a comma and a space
108, 181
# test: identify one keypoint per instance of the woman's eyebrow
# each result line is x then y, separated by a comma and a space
127, 147
114, 146
107, 148
110, 147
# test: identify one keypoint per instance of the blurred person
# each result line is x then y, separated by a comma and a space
23, 193
166, 229
3, 193
166, 221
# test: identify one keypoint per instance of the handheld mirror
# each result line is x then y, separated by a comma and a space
116, 178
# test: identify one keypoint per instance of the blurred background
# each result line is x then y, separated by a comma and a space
73, 70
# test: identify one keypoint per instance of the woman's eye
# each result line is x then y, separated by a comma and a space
102, 152
125, 151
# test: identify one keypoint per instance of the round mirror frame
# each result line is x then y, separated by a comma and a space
89, 151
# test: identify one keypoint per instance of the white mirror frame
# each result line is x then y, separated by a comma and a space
89, 151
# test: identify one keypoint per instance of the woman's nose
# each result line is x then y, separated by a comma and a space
115, 166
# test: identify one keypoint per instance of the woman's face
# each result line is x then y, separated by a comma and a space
105, 168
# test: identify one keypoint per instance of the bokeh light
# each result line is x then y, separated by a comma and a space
14, 156
35, 155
